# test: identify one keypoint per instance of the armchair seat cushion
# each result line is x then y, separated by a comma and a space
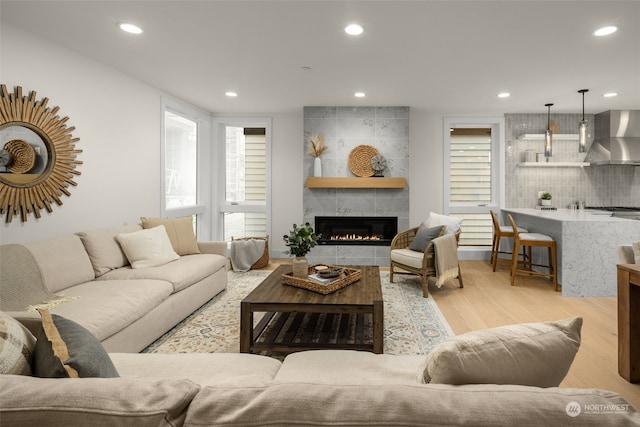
408, 257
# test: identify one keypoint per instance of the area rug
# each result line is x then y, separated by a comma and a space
412, 324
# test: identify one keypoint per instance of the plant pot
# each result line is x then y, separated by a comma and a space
317, 167
545, 202
300, 267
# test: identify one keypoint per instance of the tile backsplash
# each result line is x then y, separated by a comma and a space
607, 185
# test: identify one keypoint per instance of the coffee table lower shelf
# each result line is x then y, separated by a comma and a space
296, 331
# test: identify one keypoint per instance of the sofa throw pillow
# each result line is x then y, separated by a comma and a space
636, 251
531, 354
425, 235
180, 232
65, 349
16, 346
452, 222
147, 248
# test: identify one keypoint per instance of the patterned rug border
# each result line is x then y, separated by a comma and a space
413, 324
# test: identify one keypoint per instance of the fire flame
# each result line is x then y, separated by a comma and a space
354, 237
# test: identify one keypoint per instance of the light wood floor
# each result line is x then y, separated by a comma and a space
487, 300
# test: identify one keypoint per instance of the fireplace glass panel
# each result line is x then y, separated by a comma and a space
360, 230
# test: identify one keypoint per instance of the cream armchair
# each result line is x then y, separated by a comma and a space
413, 262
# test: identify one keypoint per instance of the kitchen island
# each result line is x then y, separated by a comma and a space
586, 245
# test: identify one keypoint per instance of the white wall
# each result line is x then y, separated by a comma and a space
425, 165
117, 119
286, 180
118, 122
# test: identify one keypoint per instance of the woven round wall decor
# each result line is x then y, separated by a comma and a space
360, 160
23, 154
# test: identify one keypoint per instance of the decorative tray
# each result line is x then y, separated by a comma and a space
314, 282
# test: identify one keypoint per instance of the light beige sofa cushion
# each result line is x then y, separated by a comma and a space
534, 354
310, 404
147, 248
217, 369
63, 262
104, 250
30, 401
181, 273
180, 232
348, 367
106, 307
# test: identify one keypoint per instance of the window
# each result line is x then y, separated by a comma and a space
185, 133
180, 161
472, 175
244, 198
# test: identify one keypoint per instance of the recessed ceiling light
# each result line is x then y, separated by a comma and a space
610, 94
605, 31
129, 28
353, 29
359, 94
504, 95
231, 94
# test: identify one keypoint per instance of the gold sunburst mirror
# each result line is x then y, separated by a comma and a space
38, 156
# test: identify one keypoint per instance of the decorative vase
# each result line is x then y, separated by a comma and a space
300, 267
317, 167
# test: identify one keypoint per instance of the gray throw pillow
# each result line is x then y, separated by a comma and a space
425, 235
64, 349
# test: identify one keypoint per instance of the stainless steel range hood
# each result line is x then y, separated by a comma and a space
617, 138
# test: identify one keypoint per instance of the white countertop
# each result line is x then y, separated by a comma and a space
588, 215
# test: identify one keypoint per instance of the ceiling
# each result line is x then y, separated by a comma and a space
450, 57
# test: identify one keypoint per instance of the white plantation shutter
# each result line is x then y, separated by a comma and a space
471, 183
246, 182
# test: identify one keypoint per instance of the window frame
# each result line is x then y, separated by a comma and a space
203, 175
219, 125
497, 125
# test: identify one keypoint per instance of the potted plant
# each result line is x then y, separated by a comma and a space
300, 241
546, 199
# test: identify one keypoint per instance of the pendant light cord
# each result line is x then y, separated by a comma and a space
582, 91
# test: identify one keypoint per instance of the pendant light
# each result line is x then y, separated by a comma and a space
548, 133
582, 128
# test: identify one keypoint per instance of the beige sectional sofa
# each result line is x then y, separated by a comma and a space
125, 308
313, 388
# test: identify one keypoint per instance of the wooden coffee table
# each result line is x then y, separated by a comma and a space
298, 319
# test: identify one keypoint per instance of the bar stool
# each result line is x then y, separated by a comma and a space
528, 240
500, 231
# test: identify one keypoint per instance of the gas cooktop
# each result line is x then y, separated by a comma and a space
615, 208
620, 211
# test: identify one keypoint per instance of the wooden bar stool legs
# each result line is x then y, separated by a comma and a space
528, 241
500, 231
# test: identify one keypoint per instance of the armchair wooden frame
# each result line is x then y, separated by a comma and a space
403, 240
